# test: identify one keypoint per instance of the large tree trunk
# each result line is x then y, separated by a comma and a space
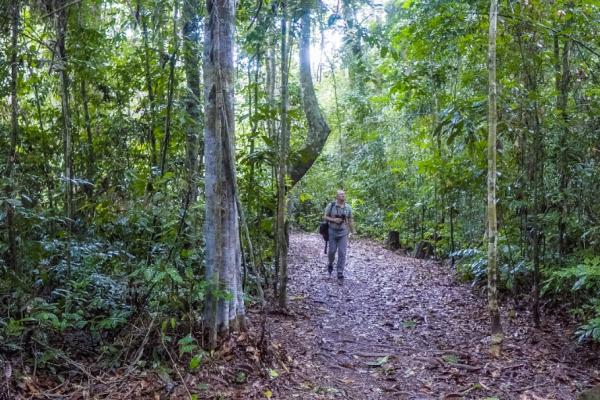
284, 138
318, 130
492, 270
191, 62
222, 256
11, 255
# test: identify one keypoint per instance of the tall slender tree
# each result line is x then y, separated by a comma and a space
492, 234
90, 159
149, 86
170, 91
528, 49
563, 83
11, 257
224, 307
61, 10
284, 140
191, 62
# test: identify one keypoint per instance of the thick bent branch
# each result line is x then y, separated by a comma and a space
318, 130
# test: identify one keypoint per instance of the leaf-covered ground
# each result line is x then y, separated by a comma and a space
397, 328
401, 328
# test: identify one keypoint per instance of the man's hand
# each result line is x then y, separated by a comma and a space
338, 220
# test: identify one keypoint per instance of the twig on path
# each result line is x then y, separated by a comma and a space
176, 369
537, 385
122, 380
385, 330
440, 362
454, 352
368, 354
394, 390
466, 367
430, 360
512, 366
140, 350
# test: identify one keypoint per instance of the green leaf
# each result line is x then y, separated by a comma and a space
240, 377
188, 348
174, 274
186, 340
195, 361
409, 324
450, 358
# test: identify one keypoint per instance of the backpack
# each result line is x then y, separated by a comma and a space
324, 227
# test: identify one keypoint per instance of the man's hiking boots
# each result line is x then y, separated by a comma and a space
339, 276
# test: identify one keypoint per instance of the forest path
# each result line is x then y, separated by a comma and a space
401, 328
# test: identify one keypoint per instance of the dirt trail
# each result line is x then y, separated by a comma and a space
399, 328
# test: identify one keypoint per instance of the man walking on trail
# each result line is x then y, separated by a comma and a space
339, 216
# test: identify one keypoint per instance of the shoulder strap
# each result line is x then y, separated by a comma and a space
330, 208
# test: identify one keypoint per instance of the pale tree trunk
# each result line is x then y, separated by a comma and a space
61, 16
318, 130
191, 62
11, 256
284, 137
492, 270
222, 313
